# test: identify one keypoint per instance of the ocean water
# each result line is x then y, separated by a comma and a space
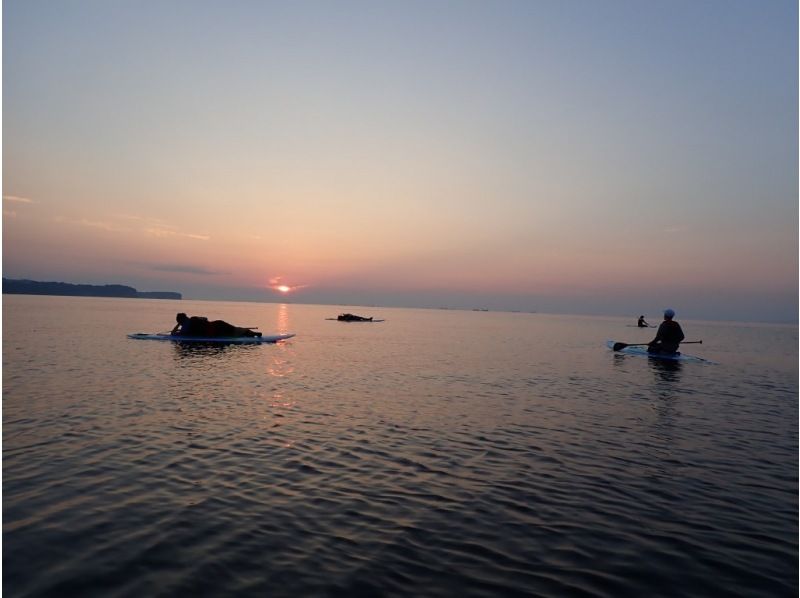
438, 453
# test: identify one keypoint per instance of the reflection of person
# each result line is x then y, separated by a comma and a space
641, 323
199, 326
668, 337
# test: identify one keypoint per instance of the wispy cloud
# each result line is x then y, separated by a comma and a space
10, 213
159, 228
671, 230
185, 268
148, 220
90, 223
128, 222
162, 231
17, 199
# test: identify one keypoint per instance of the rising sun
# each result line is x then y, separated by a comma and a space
283, 288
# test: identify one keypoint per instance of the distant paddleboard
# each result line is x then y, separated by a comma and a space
239, 340
348, 321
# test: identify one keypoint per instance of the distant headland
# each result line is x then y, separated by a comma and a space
33, 287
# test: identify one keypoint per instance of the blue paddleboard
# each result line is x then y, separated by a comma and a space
642, 352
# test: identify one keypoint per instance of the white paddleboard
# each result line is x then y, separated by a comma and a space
240, 340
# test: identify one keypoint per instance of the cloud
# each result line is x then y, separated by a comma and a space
163, 231
146, 220
185, 268
18, 199
10, 213
149, 226
158, 228
90, 223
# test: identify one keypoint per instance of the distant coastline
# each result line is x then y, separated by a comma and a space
33, 287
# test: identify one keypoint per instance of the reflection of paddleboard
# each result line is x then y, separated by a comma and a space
642, 352
241, 340
348, 321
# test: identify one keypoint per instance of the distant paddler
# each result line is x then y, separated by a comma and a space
641, 323
669, 336
199, 326
352, 318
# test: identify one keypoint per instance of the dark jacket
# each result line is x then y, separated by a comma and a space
196, 326
669, 336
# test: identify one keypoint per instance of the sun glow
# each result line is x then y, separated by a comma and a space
276, 284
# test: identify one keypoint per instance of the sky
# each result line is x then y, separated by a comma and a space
592, 157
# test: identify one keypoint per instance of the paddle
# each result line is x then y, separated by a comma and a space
621, 346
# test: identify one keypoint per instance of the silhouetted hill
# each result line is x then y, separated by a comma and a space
33, 287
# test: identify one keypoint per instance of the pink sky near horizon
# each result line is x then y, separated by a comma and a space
109, 247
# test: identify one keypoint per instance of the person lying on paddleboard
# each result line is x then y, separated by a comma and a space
668, 337
352, 318
641, 323
200, 326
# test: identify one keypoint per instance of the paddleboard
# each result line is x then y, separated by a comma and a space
239, 340
348, 321
642, 352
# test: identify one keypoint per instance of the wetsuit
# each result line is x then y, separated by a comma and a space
200, 326
352, 318
195, 326
668, 338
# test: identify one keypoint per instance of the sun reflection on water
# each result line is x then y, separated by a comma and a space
283, 319
281, 365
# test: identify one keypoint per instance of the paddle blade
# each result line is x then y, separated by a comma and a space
619, 346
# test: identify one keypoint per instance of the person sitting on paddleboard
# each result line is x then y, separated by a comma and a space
200, 326
668, 337
641, 323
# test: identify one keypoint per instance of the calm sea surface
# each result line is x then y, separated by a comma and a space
438, 453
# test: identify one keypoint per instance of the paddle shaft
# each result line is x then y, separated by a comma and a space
643, 344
